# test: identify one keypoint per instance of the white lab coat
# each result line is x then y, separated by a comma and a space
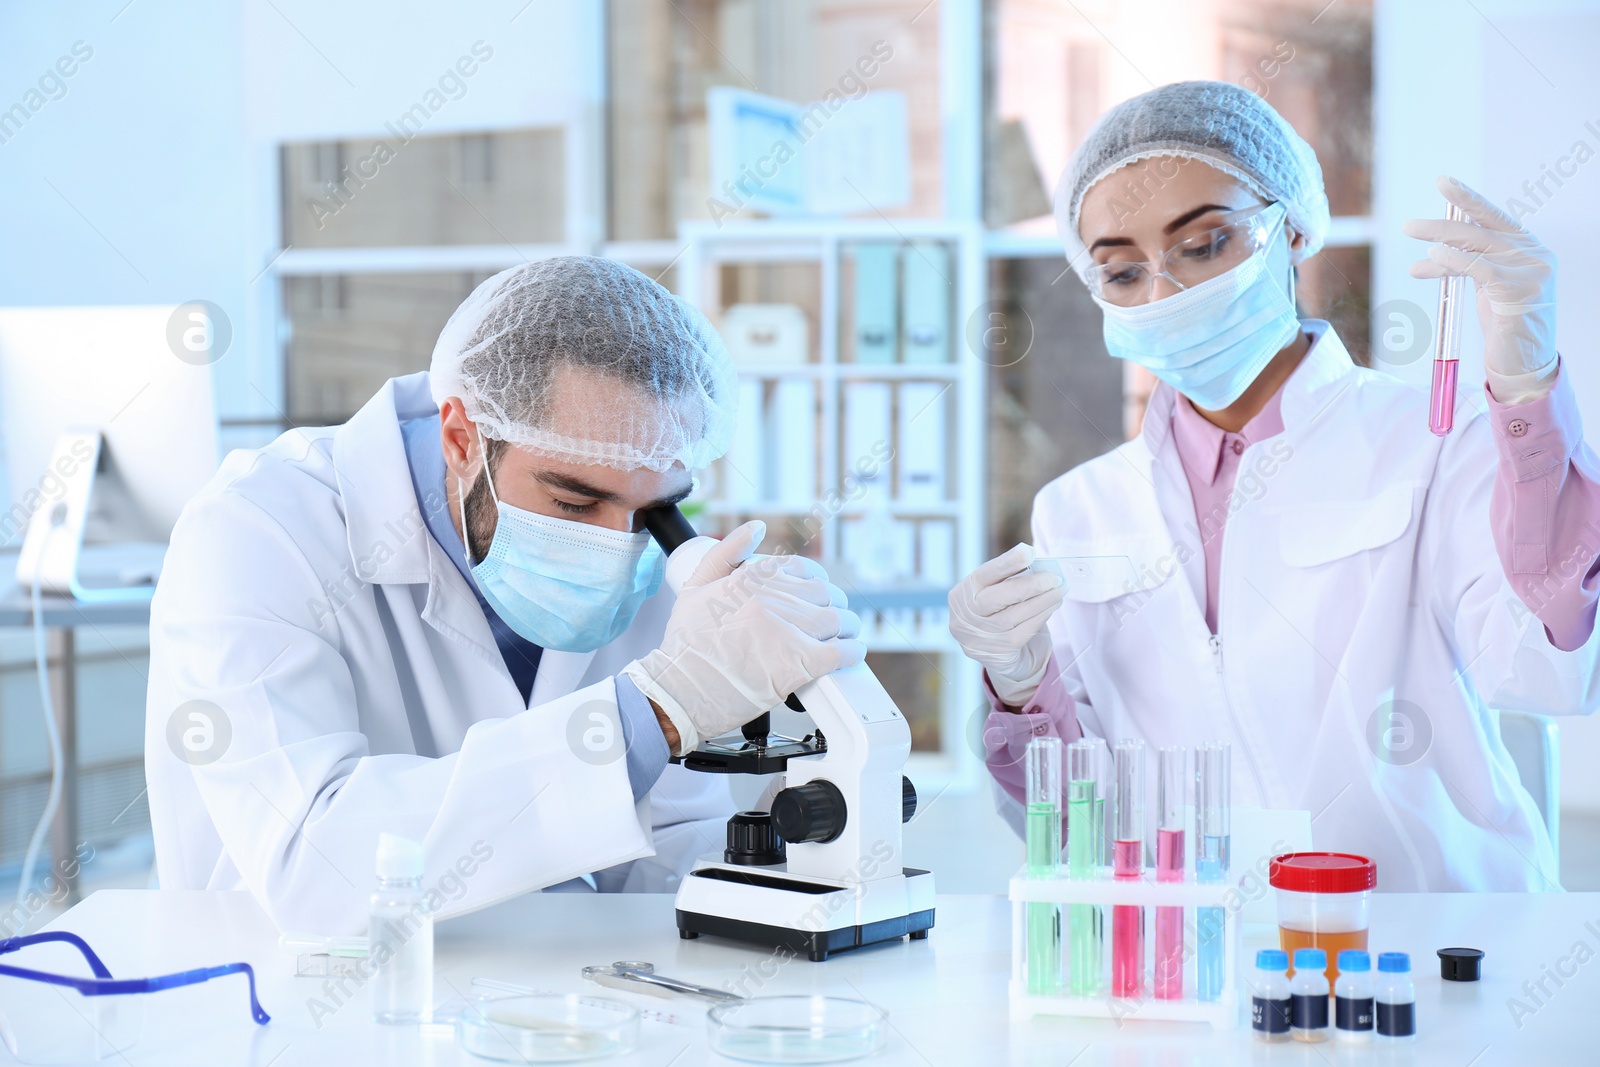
1360, 569
304, 598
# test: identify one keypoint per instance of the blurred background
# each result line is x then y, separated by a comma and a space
856, 191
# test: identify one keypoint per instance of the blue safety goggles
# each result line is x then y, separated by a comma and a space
42, 1022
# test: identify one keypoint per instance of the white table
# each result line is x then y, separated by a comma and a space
946, 996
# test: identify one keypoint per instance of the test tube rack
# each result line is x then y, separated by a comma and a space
1105, 891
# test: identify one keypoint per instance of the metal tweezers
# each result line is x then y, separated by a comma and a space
642, 978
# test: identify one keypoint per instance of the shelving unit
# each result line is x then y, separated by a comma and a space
905, 613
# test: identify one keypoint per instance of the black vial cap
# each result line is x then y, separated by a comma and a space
1459, 964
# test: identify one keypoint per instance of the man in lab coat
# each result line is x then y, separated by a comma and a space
365, 628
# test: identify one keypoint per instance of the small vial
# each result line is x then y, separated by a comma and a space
1352, 996
1396, 998
400, 935
1308, 995
1269, 995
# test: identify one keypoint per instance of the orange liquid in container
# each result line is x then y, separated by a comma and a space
1331, 942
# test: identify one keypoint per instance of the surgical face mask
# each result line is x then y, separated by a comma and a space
1209, 342
564, 585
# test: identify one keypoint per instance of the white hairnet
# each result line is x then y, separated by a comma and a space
590, 361
1219, 123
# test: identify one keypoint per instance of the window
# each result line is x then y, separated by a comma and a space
393, 190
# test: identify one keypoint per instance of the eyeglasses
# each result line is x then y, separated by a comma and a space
1195, 259
42, 1023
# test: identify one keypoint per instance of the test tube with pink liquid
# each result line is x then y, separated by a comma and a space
1170, 779
1127, 920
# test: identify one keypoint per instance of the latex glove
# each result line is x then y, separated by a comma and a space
745, 632
998, 615
1514, 276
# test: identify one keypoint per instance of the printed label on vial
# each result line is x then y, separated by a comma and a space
1352, 1013
1269, 1016
1309, 1011
1397, 1020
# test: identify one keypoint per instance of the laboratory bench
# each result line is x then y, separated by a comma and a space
946, 996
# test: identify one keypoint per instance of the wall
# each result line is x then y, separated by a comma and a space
1492, 92
154, 177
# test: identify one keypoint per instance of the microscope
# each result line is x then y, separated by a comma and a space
820, 873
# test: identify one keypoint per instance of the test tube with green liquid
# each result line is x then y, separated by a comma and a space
1043, 834
1085, 929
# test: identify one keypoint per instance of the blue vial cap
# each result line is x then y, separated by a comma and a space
1310, 959
1394, 962
1272, 959
1355, 959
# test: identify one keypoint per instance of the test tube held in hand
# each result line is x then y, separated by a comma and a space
1170, 766
1213, 768
1127, 920
1447, 346
1085, 932
1043, 840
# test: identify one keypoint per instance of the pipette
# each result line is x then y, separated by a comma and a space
1447, 346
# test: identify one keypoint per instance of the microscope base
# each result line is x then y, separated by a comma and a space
813, 919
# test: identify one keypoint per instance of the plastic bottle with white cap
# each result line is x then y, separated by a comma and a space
400, 935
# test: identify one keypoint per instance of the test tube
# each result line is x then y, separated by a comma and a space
1171, 762
1213, 774
1085, 932
1043, 837
1103, 811
1127, 920
1447, 346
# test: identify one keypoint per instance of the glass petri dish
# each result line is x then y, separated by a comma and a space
798, 1029
554, 1028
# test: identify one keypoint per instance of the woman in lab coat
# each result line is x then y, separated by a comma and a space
370, 628
1285, 558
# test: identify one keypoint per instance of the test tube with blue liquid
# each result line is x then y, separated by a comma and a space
1213, 775
1043, 842
1085, 832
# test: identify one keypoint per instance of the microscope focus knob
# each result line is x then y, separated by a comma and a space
815, 811
753, 840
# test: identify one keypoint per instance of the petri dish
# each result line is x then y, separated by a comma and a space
553, 1028
798, 1029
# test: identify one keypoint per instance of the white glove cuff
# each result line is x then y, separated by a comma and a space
1522, 388
1016, 692
641, 673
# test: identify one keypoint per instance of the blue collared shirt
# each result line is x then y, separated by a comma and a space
645, 744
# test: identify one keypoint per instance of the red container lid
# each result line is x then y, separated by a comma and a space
1323, 872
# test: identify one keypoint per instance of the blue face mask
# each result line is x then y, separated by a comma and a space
1209, 342
565, 585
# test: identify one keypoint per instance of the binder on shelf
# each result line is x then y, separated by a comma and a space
793, 444
937, 552
936, 565
921, 452
867, 436
744, 466
926, 298
767, 335
876, 297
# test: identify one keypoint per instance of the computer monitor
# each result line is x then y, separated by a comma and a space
109, 427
